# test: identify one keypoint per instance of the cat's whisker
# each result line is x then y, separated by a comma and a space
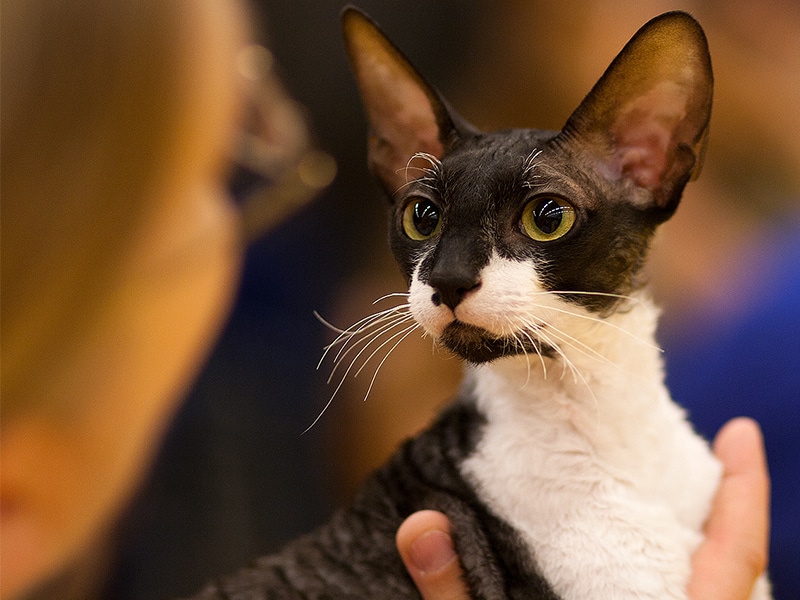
319, 416
384, 343
430, 174
436, 165
576, 373
565, 360
353, 329
366, 341
633, 299
572, 342
595, 403
360, 327
351, 340
528, 358
587, 350
408, 331
392, 295
360, 337
371, 337
376, 320
600, 321
556, 341
405, 185
328, 324
532, 326
535, 324
409, 167
518, 333
530, 164
579, 345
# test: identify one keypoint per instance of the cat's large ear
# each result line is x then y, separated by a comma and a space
406, 115
646, 119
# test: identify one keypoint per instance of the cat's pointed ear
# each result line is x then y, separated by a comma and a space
406, 115
647, 118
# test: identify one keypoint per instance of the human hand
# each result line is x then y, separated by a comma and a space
427, 549
734, 553
726, 566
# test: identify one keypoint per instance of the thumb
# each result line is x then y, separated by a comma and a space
425, 544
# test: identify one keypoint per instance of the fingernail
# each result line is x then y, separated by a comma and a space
432, 551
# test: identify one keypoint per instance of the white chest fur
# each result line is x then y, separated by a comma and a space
585, 454
610, 496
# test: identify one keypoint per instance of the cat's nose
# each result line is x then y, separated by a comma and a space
450, 289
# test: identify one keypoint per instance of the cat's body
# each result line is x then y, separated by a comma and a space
564, 466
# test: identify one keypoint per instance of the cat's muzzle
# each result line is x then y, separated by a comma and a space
477, 345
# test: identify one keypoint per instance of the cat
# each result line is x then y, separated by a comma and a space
564, 466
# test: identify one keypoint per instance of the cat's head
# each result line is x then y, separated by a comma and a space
501, 235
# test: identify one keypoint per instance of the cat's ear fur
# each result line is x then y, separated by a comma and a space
406, 115
646, 120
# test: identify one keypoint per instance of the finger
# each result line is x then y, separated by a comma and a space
425, 544
734, 553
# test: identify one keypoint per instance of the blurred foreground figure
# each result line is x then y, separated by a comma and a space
120, 251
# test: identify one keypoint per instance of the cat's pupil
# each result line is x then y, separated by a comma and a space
426, 217
548, 214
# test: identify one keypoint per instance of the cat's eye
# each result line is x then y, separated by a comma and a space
547, 218
421, 219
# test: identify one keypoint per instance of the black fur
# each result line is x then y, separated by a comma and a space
354, 557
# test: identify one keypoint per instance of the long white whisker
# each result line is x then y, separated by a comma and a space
319, 416
576, 374
339, 386
378, 321
573, 342
567, 363
360, 337
581, 347
603, 322
384, 343
393, 295
352, 330
366, 342
364, 324
578, 345
518, 339
358, 328
328, 324
633, 299
584, 348
408, 332
538, 351
517, 334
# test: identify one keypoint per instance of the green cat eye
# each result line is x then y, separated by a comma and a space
547, 218
421, 219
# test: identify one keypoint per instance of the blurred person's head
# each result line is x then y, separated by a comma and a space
120, 250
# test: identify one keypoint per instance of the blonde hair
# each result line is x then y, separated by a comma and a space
90, 98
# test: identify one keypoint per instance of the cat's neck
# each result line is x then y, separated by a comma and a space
563, 451
605, 386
